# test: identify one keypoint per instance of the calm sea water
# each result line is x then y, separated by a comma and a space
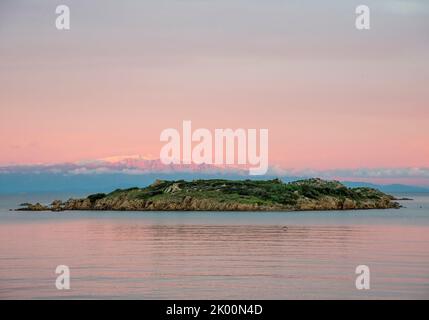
202, 255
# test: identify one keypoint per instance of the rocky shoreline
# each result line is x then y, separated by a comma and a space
226, 195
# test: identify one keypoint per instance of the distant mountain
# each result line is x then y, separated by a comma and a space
104, 175
388, 188
104, 182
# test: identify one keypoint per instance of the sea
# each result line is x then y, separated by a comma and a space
214, 255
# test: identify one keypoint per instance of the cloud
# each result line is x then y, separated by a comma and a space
117, 164
142, 165
137, 165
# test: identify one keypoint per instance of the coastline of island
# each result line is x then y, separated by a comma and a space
228, 195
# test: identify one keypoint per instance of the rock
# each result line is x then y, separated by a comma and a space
173, 188
37, 207
349, 204
57, 205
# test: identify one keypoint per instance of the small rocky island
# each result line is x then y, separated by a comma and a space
229, 195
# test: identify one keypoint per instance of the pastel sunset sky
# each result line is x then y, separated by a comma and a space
331, 96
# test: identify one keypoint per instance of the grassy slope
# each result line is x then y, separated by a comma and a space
245, 191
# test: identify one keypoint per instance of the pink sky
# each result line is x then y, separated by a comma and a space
331, 97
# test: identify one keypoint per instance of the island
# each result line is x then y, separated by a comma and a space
229, 195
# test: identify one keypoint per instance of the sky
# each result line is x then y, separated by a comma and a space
332, 97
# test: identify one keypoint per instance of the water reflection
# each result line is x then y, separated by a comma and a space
142, 258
